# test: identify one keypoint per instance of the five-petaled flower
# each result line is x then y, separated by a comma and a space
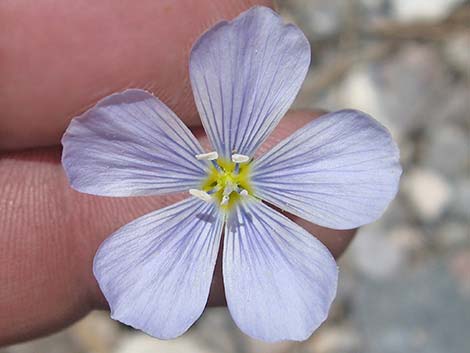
339, 171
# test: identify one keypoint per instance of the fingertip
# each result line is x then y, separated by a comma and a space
337, 241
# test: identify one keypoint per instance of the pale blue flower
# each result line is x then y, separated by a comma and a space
339, 171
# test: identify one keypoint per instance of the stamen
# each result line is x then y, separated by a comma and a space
225, 200
240, 158
207, 156
244, 193
216, 165
200, 194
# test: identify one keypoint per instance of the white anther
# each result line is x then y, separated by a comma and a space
225, 200
244, 193
240, 158
207, 156
201, 194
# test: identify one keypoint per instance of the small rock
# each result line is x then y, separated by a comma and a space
400, 91
457, 51
374, 5
423, 10
461, 203
401, 340
317, 18
375, 255
141, 343
454, 107
334, 340
447, 150
407, 152
459, 265
257, 346
420, 310
452, 234
360, 91
58, 343
428, 192
228, 337
411, 84
97, 332
409, 239
395, 214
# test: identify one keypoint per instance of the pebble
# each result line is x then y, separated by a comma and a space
423, 10
359, 91
141, 343
428, 192
375, 255
457, 51
317, 18
459, 265
252, 345
58, 343
447, 150
460, 206
333, 340
97, 332
229, 338
387, 89
452, 234
412, 83
380, 254
454, 107
408, 238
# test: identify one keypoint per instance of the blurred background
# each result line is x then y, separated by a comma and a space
405, 281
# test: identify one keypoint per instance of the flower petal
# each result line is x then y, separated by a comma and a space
279, 280
339, 171
130, 144
245, 74
156, 271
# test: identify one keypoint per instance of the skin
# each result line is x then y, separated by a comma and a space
58, 59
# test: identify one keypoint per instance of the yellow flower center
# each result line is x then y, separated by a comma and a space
227, 182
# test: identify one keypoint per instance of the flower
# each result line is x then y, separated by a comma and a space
339, 171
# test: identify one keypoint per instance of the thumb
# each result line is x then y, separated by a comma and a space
105, 46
